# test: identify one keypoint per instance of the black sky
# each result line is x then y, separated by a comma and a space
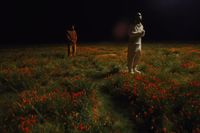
46, 21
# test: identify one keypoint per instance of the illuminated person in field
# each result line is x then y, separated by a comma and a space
134, 47
72, 37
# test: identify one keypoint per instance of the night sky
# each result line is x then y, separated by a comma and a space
34, 21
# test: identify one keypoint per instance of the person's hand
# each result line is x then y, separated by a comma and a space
143, 32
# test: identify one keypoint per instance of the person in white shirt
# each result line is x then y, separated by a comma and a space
135, 43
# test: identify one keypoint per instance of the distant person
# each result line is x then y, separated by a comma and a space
72, 37
134, 47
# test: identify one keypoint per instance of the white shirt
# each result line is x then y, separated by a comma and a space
135, 36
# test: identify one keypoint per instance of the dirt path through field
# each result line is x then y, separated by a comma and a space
116, 109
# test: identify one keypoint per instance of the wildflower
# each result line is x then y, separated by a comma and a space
26, 130
25, 71
139, 77
81, 127
22, 118
43, 98
145, 114
194, 51
150, 110
77, 94
134, 89
152, 85
195, 84
26, 101
154, 97
188, 65
164, 130
95, 113
56, 90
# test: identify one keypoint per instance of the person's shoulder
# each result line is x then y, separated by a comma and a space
70, 31
74, 31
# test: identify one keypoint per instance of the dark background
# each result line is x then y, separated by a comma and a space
46, 21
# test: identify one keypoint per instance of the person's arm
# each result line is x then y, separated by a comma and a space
143, 33
135, 33
68, 36
76, 38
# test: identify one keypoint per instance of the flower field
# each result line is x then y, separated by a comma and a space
43, 90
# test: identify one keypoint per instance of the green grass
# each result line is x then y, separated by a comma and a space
43, 90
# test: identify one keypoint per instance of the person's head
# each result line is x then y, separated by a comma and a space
72, 27
138, 17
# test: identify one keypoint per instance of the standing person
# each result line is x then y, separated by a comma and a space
72, 37
134, 47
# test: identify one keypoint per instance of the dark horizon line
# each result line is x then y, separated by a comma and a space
61, 43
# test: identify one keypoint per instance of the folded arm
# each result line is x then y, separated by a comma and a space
137, 34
